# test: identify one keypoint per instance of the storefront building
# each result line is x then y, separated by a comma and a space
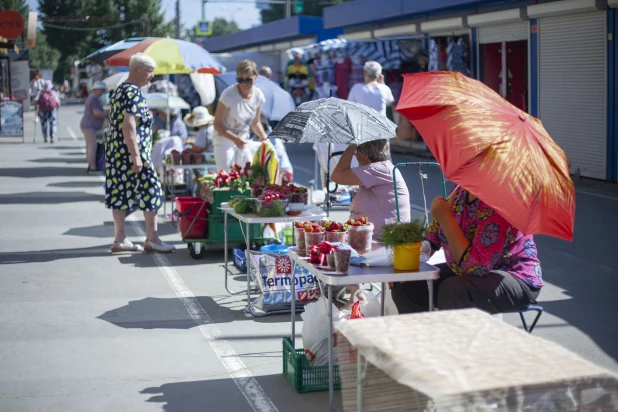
555, 60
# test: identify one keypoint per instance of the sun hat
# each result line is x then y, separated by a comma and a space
199, 117
48, 85
99, 85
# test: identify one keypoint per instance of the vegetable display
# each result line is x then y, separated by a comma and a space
271, 204
242, 204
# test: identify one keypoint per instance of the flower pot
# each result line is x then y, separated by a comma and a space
407, 256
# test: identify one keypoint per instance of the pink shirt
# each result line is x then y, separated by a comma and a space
494, 243
376, 197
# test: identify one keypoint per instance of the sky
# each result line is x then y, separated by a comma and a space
190, 11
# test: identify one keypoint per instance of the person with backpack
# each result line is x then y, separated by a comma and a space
46, 104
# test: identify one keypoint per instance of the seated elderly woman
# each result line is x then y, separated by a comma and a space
490, 265
374, 176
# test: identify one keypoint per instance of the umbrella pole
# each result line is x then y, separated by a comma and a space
167, 88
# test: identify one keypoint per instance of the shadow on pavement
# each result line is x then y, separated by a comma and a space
180, 257
586, 269
107, 230
38, 256
40, 198
71, 160
78, 185
48, 171
170, 313
222, 395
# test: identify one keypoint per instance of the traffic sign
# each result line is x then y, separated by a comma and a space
11, 24
203, 28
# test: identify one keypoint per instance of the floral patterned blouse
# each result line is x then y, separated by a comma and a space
494, 243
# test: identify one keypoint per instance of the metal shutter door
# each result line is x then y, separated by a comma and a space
572, 88
504, 32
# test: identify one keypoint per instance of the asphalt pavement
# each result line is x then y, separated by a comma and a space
84, 330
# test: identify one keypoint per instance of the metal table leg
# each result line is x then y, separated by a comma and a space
382, 298
293, 308
430, 288
331, 360
164, 192
248, 265
226, 271
361, 372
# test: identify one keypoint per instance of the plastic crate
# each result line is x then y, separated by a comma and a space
216, 229
306, 378
240, 260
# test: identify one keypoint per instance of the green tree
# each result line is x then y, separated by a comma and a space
220, 27
43, 56
77, 28
310, 8
19, 6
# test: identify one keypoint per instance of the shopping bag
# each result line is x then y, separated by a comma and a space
315, 331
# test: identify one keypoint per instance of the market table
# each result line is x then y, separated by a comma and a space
355, 276
460, 360
311, 214
166, 171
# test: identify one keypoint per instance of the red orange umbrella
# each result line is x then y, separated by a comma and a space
488, 146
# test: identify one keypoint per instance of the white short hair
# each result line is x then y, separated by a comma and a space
140, 60
372, 69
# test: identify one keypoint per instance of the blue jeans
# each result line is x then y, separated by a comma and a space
52, 118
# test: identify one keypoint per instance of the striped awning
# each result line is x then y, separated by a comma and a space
389, 53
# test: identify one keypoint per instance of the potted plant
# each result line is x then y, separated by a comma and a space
405, 239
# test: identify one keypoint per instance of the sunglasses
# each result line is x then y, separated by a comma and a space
248, 80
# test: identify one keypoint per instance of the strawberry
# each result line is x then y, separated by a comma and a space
308, 229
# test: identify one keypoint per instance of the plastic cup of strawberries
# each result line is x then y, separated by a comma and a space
314, 234
271, 204
360, 234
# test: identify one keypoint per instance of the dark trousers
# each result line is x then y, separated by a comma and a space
498, 292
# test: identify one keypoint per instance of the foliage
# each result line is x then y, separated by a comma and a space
121, 19
395, 234
19, 6
310, 8
43, 56
220, 27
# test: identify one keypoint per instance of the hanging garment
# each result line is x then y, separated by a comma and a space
324, 72
357, 75
342, 78
433, 56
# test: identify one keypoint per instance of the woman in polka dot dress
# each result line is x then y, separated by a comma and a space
130, 178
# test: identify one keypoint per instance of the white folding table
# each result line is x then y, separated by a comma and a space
312, 214
355, 276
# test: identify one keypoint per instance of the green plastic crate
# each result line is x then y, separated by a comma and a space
305, 378
222, 196
216, 226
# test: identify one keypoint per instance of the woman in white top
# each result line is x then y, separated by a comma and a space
238, 113
372, 93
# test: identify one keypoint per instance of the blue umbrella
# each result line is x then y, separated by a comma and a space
278, 101
105, 52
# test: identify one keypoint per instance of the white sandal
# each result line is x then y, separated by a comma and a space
126, 246
159, 247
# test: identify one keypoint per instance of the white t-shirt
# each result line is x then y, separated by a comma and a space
377, 96
240, 114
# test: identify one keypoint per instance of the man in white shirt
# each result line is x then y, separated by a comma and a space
372, 93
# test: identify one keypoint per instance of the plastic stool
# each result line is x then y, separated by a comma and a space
535, 308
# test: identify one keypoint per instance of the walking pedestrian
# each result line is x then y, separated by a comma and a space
266, 72
238, 113
131, 181
92, 121
373, 93
46, 106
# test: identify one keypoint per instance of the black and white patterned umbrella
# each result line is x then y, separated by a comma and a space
334, 120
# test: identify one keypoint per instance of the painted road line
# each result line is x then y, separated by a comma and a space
250, 388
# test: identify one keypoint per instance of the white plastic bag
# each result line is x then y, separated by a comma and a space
379, 257
369, 303
316, 330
